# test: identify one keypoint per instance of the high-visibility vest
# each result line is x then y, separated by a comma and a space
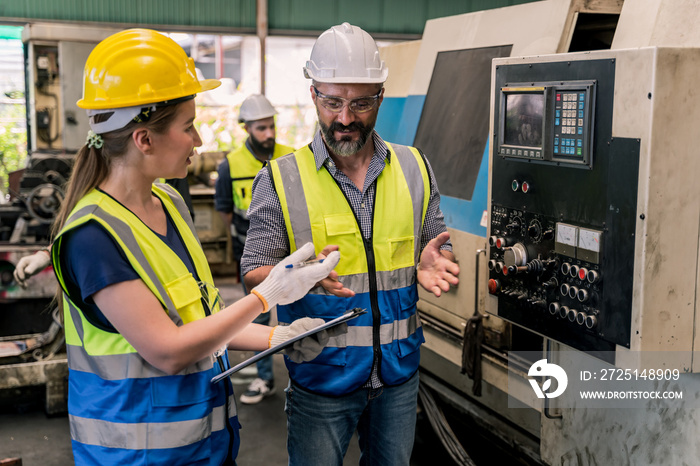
122, 409
381, 270
243, 166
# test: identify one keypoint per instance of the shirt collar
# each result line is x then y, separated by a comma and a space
321, 156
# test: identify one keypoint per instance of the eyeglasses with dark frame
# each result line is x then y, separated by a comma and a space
336, 104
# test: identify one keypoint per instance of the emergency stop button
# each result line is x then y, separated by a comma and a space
494, 286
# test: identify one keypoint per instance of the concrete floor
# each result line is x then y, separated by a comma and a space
26, 432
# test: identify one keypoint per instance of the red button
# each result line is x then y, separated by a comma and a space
505, 270
582, 273
525, 187
494, 286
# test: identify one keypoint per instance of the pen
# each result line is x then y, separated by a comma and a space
303, 264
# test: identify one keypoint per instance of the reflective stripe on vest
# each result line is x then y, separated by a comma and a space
147, 435
243, 166
315, 209
117, 399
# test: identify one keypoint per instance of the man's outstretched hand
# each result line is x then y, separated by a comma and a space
436, 270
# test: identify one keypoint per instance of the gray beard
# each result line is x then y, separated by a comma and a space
345, 147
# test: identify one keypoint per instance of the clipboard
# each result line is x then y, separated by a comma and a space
331, 323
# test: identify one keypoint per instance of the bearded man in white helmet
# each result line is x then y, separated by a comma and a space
379, 205
232, 197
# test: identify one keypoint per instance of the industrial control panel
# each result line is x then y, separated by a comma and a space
547, 121
563, 203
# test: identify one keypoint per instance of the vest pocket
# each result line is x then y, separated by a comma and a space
411, 344
408, 319
340, 224
330, 357
181, 390
401, 252
186, 297
334, 355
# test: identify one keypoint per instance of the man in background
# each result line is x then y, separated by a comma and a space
232, 198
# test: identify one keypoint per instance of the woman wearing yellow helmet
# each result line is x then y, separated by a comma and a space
145, 328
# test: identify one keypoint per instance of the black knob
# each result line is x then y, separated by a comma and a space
564, 289
591, 321
554, 308
565, 268
563, 312
551, 282
534, 230
539, 302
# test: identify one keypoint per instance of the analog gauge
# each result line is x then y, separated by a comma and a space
589, 240
567, 234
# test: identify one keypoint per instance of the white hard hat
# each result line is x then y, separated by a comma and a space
345, 54
256, 107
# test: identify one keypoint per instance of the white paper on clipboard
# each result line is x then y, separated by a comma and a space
331, 323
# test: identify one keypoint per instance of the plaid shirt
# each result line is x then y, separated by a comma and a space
267, 241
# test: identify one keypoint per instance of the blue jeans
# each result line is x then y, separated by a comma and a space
319, 428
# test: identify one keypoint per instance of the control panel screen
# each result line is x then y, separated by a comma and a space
547, 122
524, 120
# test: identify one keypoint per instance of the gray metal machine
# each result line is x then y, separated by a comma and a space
594, 226
571, 200
31, 337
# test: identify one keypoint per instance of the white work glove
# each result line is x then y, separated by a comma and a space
285, 285
307, 348
30, 265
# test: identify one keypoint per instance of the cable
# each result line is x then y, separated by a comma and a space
442, 428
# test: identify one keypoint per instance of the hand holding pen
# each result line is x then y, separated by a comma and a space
297, 265
331, 283
285, 285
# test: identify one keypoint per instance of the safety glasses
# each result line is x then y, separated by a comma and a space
357, 106
211, 298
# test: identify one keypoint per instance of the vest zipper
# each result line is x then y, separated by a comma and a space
376, 315
372, 275
229, 427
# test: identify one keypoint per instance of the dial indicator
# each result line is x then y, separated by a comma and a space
567, 234
589, 239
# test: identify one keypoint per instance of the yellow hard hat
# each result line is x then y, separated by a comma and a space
137, 67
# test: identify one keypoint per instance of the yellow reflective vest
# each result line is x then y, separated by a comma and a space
381, 270
122, 409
